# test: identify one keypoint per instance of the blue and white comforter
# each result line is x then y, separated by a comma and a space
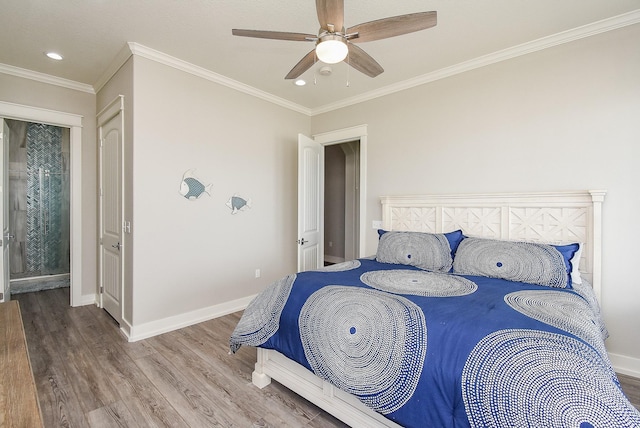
443, 350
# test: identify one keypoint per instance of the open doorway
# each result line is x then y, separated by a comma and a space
355, 167
341, 201
73, 123
312, 199
39, 208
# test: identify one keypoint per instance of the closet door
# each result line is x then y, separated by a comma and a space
110, 131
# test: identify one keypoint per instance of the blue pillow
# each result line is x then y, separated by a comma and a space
429, 251
529, 262
454, 239
568, 252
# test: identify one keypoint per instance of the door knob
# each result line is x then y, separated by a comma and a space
117, 246
302, 241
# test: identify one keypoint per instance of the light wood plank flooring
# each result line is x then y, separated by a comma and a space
87, 375
18, 396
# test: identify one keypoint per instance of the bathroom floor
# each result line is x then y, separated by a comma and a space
39, 283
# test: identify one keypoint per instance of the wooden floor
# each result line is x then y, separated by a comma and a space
87, 375
18, 395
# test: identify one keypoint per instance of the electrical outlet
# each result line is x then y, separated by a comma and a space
331, 243
376, 224
257, 273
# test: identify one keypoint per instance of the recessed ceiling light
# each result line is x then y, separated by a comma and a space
299, 82
54, 55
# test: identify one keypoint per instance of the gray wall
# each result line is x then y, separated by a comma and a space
186, 257
564, 118
334, 206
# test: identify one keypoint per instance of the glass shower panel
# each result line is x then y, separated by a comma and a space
41, 217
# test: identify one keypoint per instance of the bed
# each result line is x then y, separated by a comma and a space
477, 310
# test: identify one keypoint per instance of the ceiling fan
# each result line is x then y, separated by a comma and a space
334, 43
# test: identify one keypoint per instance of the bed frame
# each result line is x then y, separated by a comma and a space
552, 217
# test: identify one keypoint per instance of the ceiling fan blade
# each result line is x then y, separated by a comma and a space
330, 12
363, 62
278, 35
393, 26
303, 65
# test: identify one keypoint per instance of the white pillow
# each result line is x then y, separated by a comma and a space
575, 266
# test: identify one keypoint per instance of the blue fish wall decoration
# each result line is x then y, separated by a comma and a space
192, 188
237, 204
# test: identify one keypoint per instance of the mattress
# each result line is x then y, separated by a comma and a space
443, 349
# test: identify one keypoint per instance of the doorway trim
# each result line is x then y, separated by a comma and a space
74, 123
344, 135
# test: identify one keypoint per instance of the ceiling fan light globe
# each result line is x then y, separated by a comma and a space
332, 51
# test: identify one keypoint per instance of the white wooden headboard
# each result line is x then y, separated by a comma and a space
551, 217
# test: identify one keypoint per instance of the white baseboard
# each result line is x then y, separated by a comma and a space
333, 259
154, 328
87, 299
125, 329
626, 365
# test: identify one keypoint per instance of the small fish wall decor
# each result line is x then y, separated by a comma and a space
192, 188
238, 203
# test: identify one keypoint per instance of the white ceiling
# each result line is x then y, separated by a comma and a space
91, 33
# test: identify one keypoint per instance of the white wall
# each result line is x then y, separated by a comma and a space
191, 256
561, 119
27, 92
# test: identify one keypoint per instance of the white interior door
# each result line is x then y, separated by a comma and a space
110, 133
310, 204
5, 268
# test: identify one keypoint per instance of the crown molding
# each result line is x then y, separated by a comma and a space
568, 36
113, 67
45, 78
133, 48
145, 52
582, 32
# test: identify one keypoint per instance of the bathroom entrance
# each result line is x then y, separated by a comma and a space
39, 206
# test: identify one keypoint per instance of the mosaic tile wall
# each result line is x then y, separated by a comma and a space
39, 199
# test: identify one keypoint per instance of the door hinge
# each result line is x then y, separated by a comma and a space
101, 289
2, 297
